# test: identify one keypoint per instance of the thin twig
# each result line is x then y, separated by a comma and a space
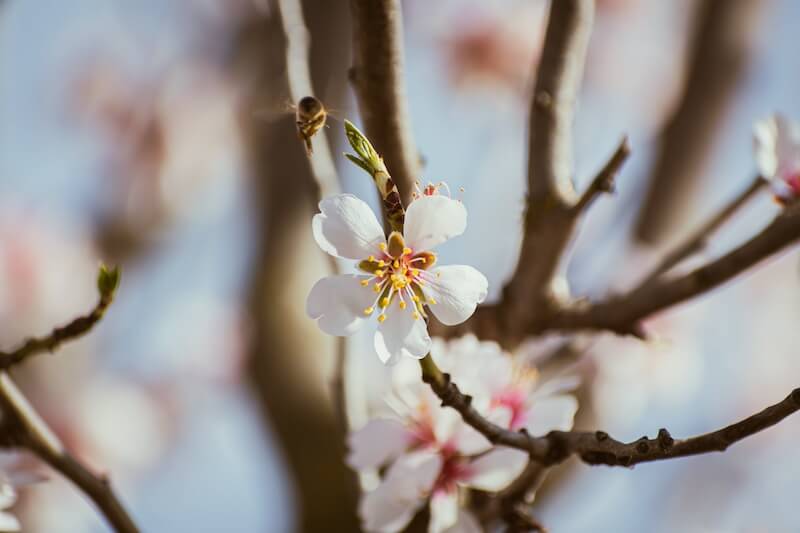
697, 241
36, 345
603, 182
622, 314
598, 447
23, 427
377, 76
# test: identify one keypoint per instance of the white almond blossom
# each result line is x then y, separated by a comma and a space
432, 453
777, 152
399, 281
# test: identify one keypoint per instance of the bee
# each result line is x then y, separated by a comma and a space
310, 117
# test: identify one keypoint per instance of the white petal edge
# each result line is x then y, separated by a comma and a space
457, 289
347, 227
765, 137
432, 220
9, 522
495, 470
444, 510
379, 441
337, 303
391, 506
401, 336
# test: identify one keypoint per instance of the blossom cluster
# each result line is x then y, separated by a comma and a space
432, 456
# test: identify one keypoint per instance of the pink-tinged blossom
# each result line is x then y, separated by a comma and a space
777, 153
499, 381
398, 280
431, 453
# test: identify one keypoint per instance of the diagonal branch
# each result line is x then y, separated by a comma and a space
598, 447
377, 76
22, 427
107, 282
697, 241
603, 182
623, 313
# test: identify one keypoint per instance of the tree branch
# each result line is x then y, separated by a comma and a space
603, 182
550, 213
597, 447
377, 76
22, 427
697, 241
107, 283
622, 314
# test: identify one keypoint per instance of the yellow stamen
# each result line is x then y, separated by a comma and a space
431, 301
376, 288
379, 273
402, 304
406, 251
415, 298
396, 264
368, 311
384, 301
371, 259
381, 263
381, 317
364, 282
415, 271
382, 246
414, 314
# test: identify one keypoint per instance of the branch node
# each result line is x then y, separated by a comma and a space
665, 440
601, 436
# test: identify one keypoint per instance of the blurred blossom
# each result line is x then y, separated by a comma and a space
118, 422
15, 471
431, 451
633, 377
777, 152
401, 270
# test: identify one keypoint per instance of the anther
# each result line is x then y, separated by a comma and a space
414, 314
384, 301
431, 301
364, 282
396, 264
381, 317
379, 273
402, 304
382, 246
381, 263
376, 288
406, 251
368, 311
371, 259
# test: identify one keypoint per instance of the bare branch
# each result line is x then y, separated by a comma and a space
550, 215
623, 313
597, 447
22, 426
697, 241
107, 284
603, 182
377, 76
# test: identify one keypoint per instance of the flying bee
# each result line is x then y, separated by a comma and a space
310, 117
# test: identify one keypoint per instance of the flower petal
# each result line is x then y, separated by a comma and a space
551, 413
9, 522
377, 443
391, 506
457, 289
431, 220
347, 227
765, 137
400, 335
495, 470
338, 303
466, 523
444, 510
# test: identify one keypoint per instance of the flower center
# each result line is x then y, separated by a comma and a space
455, 468
398, 274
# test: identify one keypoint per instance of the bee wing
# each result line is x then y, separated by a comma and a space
275, 112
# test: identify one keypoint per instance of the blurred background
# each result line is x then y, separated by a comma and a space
154, 135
